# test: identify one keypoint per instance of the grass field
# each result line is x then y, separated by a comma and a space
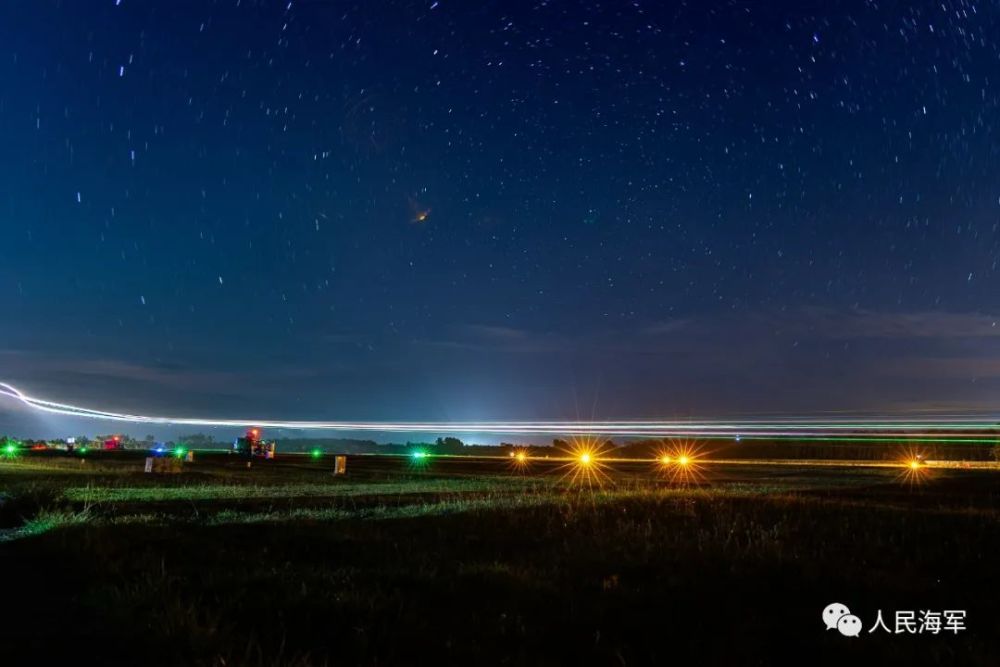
467, 561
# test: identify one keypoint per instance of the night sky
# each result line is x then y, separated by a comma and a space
499, 210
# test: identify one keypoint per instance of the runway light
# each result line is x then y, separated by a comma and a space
914, 468
419, 455
519, 460
180, 452
682, 463
584, 463
10, 450
83, 450
316, 453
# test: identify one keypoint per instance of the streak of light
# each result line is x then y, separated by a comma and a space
880, 429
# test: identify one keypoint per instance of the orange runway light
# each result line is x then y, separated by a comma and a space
584, 465
914, 468
681, 463
519, 461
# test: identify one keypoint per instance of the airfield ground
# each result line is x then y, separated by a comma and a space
451, 560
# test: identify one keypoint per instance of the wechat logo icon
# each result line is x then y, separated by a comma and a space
837, 616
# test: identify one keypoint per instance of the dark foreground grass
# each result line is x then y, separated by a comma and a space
534, 573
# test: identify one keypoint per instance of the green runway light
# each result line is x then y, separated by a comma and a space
419, 455
83, 450
180, 452
316, 453
10, 450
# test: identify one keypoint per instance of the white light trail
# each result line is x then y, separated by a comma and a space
952, 427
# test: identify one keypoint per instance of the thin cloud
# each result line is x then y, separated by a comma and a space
914, 324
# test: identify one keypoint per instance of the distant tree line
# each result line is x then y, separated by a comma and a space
987, 449
883, 450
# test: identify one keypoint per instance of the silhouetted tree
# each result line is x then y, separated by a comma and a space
449, 444
198, 441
